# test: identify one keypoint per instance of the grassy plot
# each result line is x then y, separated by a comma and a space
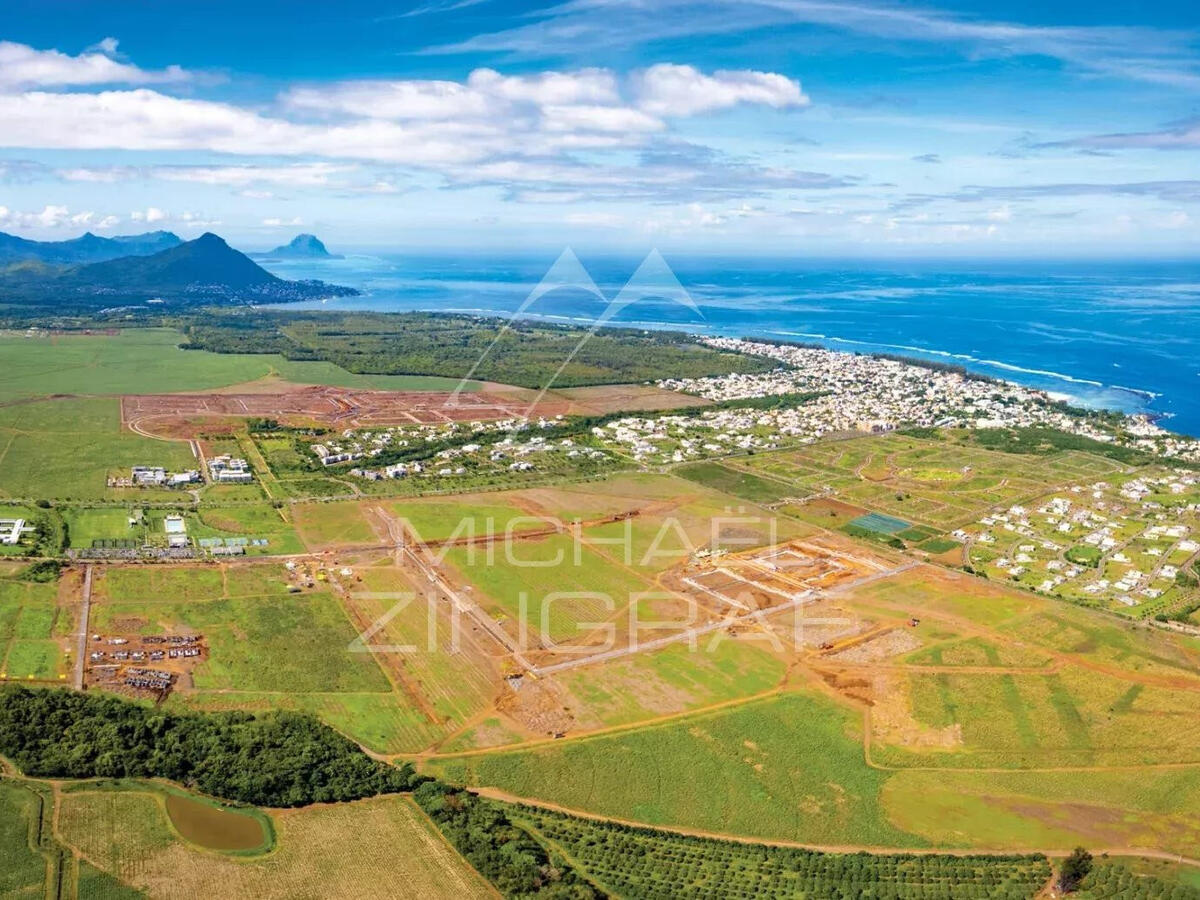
741, 484
331, 526
169, 584
671, 680
66, 448
558, 588
1121, 808
1073, 717
29, 627
22, 867
788, 768
291, 644
141, 361
257, 522
465, 515
940, 482
363, 849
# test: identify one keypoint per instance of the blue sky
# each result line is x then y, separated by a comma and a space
793, 127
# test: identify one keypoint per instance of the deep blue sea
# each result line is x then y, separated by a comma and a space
1123, 336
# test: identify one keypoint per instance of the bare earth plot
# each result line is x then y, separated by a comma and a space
335, 407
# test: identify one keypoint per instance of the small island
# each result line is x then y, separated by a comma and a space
302, 246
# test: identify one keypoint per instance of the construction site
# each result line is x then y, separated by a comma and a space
334, 407
143, 666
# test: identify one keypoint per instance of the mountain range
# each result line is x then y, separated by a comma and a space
87, 248
202, 271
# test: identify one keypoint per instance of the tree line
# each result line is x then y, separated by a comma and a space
279, 759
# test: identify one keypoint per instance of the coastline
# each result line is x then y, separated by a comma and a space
1100, 343
1084, 393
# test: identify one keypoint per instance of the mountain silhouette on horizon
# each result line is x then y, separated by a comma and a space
204, 270
87, 248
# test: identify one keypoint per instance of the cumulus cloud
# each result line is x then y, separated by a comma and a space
420, 123
53, 216
145, 119
23, 67
150, 215
485, 94
672, 90
184, 221
550, 133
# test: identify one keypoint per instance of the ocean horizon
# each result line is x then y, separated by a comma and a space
1111, 335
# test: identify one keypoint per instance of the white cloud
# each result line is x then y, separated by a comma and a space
486, 94
144, 119
278, 223
22, 67
672, 90
316, 174
54, 216
595, 220
304, 175
150, 216
612, 119
161, 218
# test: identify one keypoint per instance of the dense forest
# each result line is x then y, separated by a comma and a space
525, 354
519, 866
279, 759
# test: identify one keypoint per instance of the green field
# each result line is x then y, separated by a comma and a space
149, 361
675, 678
66, 448
323, 526
791, 769
740, 484
788, 768
30, 622
290, 644
22, 867
560, 589
941, 482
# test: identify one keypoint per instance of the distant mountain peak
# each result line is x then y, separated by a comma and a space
203, 270
302, 246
